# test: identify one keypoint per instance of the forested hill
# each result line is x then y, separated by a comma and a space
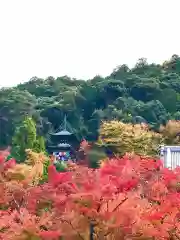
147, 92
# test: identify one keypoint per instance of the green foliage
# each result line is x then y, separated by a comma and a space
25, 137
39, 145
61, 166
46, 164
147, 92
14, 105
95, 155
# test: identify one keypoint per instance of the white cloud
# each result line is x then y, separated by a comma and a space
82, 38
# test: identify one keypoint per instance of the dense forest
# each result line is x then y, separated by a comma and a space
146, 93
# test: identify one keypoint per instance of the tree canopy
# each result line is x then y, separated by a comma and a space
145, 93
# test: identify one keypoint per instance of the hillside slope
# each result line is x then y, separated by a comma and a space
147, 92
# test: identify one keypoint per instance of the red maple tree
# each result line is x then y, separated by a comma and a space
127, 198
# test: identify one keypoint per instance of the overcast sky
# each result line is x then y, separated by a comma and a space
83, 38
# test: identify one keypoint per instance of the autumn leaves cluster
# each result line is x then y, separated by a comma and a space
126, 198
138, 138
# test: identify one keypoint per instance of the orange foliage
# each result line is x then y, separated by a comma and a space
127, 198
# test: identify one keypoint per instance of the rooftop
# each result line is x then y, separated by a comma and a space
62, 133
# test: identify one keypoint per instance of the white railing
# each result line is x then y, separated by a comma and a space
170, 156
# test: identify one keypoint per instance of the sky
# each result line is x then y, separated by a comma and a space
83, 38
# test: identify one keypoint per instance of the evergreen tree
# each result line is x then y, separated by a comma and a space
25, 137
39, 145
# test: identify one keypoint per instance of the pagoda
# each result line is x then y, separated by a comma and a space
63, 144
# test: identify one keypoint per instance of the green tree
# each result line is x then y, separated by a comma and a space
25, 137
14, 105
146, 92
168, 97
146, 89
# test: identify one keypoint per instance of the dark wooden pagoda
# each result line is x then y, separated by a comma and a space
63, 144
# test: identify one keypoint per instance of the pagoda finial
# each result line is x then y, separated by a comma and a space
65, 122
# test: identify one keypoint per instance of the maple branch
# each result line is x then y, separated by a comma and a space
105, 235
17, 204
99, 207
177, 237
92, 226
107, 206
21, 215
119, 205
80, 236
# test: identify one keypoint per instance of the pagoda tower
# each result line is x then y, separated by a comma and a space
63, 144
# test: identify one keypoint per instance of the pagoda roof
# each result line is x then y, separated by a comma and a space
62, 133
60, 146
64, 145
